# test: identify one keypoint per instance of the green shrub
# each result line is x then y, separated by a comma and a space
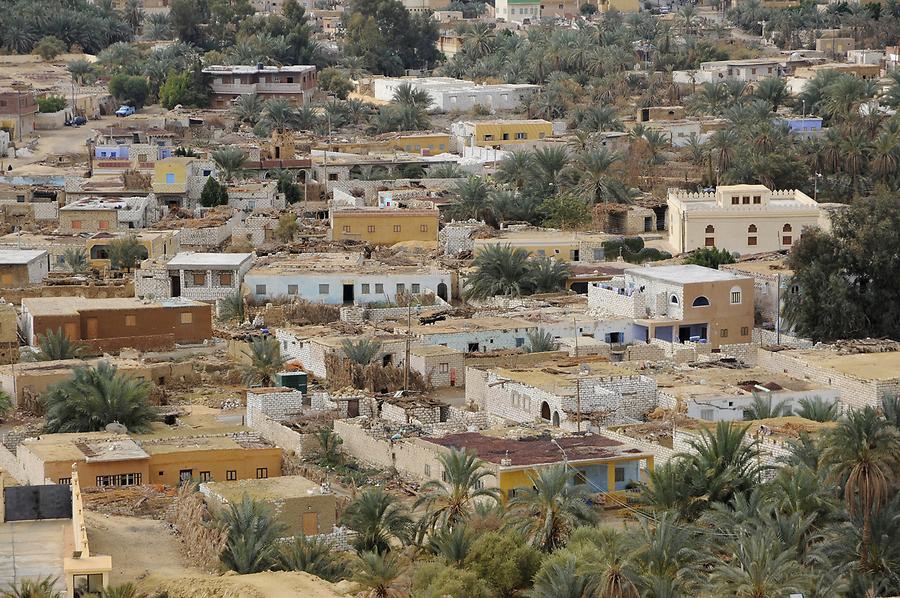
51, 103
49, 47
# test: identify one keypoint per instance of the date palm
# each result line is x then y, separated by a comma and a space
772, 90
479, 40
548, 275
818, 409
758, 568
564, 580
473, 200
32, 588
252, 531
499, 270
265, 360
378, 519
548, 513
449, 502
361, 352
376, 573
540, 341
515, 168
279, 114
452, 544
230, 161
885, 157
549, 164
595, 169
314, 556
407, 95
247, 108
863, 454
55, 344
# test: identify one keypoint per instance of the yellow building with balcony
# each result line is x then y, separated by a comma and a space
500, 133
384, 226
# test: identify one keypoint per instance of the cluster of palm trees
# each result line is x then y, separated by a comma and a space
91, 26
510, 271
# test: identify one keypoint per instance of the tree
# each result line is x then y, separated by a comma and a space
378, 519
818, 409
540, 341
407, 95
55, 345
565, 211
125, 253
848, 279
126, 590
230, 161
375, 573
549, 512
184, 89
863, 453
772, 90
709, 257
32, 588
763, 408
329, 453
449, 502
49, 47
453, 544
252, 531
437, 580
129, 89
499, 270
51, 103
6, 404
287, 228
157, 26
361, 352
265, 361
95, 397
563, 580
758, 568
213, 194
247, 108
187, 18
314, 556
504, 560
388, 38
547, 275
232, 308
80, 69
473, 200
334, 82
75, 259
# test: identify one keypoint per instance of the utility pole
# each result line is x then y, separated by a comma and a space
578, 377
778, 309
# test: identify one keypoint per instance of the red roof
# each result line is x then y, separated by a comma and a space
534, 450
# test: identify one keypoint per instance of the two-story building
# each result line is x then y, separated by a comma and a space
157, 244
519, 11
741, 218
179, 181
107, 214
384, 226
680, 303
500, 133
294, 83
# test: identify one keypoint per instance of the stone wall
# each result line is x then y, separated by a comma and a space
743, 352
371, 188
93, 291
456, 237
661, 454
761, 336
290, 441
611, 302
280, 404
437, 368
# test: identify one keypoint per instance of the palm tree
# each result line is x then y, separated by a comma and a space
232, 308
447, 170
55, 345
79, 70
133, 14
230, 161
549, 512
818, 409
126, 590
499, 270
329, 453
375, 573
668, 489
890, 408
126, 253
595, 170
32, 588
252, 532
479, 40
95, 397
563, 580
758, 568
772, 90
762, 408
598, 118
452, 544
885, 157
157, 26
854, 151
75, 259
863, 453
265, 361
548, 164
548, 275
247, 108
450, 502
515, 168
472, 200
540, 341
687, 18
407, 95
279, 114
362, 352
358, 110
314, 556
378, 519
723, 143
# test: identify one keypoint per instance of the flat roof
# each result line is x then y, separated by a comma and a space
247, 69
769, 266
455, 325
684, 273
52, 306
187, 259
711, 382
538, 450
867, 366
13, 257
288, 486
431, 350
91, 447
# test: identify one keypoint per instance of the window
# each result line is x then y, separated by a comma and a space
401, 288
506, 137
700, 301
751, 234
427, 470
76, 224
710, 229
170, 178
423, 228
707, 414
225, 279
396, 228
379, 288
745, 200
260, 289
723, 333
104, 224
323, 289
346, 229
745, 330
292, 289
735, 201
415, 287
64, 481
488, 137
620, 474
757, 199
443, 368
187, 317
751, 241
521, 135
370, 228
673, 299
364, 288
205, 476
130, 320
709, 242
231, 475
786, 238
735, 295
444, 477
332, 176
520, 341
199, 279
121, 479
262, 473
751, 230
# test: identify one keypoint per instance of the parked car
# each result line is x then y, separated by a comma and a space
75, 122
125, 111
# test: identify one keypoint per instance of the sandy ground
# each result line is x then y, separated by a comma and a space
146, 552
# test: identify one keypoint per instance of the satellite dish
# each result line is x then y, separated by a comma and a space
116, 428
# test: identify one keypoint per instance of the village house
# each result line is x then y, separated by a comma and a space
771, 283
439, 365
343, 278
197, 276
112, 324
55, 245
95, 214
540, 242
179, 181
457, 94
156, 244
17, 110
519, 11
680, 304
260, 196
473, 335
23, 267
499, 133
294, 83
311, 346
741, 218
384, 226
9, 333
23, 205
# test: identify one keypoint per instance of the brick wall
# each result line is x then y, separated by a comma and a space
279, 404
761, 336
607, 301
661, 454
290, 441
456, 237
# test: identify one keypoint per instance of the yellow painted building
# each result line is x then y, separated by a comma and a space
156, 243
569, 246
170, 175
415, 143
384, 226
499, 133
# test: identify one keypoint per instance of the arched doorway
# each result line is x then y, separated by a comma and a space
556, 418
545, 411
442, 291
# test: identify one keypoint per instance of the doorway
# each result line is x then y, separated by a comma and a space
93, 327
545, 411
310, 524
348, 293
684, 333
175, 286
353, 408
442, 291
556, 418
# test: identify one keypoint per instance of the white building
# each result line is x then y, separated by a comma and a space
251, 197
23, 266
741, 218
343, 278
457, 94
518, 11
198, 276
747, 70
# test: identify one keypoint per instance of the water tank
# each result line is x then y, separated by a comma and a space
295, 380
